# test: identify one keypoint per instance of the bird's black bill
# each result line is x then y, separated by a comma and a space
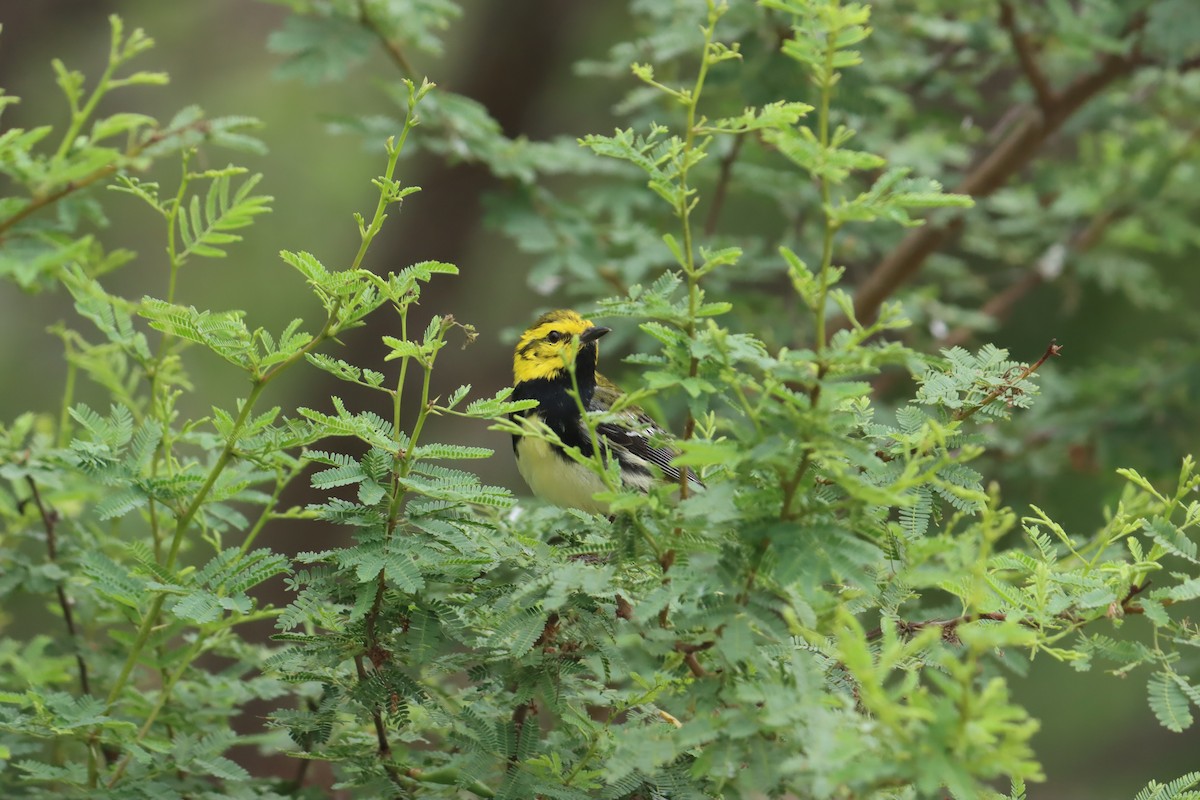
594, 333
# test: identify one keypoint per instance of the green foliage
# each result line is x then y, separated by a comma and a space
833, 615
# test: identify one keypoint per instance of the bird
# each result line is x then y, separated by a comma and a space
540, 373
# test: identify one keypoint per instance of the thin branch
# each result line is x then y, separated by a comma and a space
1009, 385
1126, 607
998, 307
520, 716
689, 656
948, 626
38, 203
296, 784
1046, 97
64, 602
384, 749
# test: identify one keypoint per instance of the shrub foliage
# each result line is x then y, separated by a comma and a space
834, 615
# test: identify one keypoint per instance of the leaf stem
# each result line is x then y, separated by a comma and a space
79, 116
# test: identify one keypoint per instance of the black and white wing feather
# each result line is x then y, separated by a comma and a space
630, 438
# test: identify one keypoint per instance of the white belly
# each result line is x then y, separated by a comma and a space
556, 479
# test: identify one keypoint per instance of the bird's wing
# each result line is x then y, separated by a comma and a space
630, 435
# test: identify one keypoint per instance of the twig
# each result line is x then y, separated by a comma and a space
1052, 349
998, 307
948, 626
1046, 97
384, 749
689, 652
689, 656
64, 602
519, 717
296, 784
39, 203
549, 632
694, 665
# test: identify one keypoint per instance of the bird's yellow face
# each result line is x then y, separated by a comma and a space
545, 350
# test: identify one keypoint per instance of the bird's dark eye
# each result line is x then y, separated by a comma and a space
554, 337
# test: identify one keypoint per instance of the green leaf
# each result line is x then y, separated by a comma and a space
1168, 702
319, 49
1170, 538
204, 233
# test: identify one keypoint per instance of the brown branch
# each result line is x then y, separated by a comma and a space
549, 632
37, 203
624, 609
948, 626
384, 748
378, 656
689, 656
520, 716
1082, 240
1026, 57
1009, 385
694, 665
48, 517
1013, 153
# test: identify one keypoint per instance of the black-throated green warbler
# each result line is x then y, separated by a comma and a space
540, 372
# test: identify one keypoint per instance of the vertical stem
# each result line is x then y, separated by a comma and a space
158, 408
826, 192
64, 414
282, 481
684, 211
79, 116
163, 696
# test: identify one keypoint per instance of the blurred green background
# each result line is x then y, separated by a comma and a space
1098, 737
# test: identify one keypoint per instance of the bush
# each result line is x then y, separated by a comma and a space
835, 615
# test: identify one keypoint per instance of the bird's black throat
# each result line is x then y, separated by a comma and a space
557, 408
